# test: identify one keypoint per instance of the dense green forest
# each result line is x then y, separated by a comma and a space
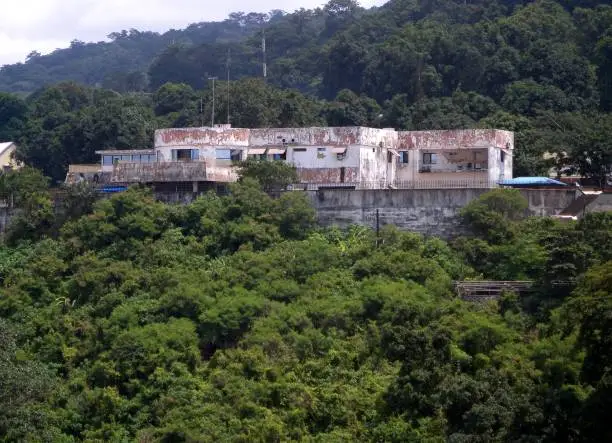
540, 68
235, 318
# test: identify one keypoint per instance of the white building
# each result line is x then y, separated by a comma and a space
349, 156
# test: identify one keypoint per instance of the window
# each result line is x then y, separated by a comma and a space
126, 158
502, 156
107, 160
321, 149
403, 158
299, 149
223, 154
279, 156
430, 159
183, 155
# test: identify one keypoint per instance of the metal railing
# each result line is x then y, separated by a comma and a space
475, 183
450, 168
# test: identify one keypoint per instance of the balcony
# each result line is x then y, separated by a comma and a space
172, 172
159, 172
452, 168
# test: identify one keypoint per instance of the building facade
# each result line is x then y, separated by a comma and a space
348, 156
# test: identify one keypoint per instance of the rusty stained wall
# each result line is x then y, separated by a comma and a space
159, 172
374, 165
323, 136
304, 136
328, 175
220, 172
198, 137
455, 139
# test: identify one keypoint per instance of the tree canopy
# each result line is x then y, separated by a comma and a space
236, 318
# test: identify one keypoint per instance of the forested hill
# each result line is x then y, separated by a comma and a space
515, 52
123, 62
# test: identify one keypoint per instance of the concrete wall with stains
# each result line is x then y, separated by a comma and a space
455, 139
200, 137
323, 157
373, 165
159, 172
328, 175
432, 211
322, 136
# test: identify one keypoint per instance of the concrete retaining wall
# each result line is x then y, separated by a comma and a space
603, 203
5, 217
428, 211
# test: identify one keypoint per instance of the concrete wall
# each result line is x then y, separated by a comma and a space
428, 211
5, 217
603, 203
315, 157
431, 211
176, 138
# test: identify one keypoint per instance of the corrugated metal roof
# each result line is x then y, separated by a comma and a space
531, 181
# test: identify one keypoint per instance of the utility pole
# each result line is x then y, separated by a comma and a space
212, 117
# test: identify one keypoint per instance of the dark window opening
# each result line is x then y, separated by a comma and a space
403, 158
183, 155
430, 159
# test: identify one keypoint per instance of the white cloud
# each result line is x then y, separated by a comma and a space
44, 25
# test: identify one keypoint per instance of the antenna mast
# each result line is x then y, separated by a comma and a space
228, 83
263, 48
212, 116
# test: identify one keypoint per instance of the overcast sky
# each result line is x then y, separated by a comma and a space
44, 25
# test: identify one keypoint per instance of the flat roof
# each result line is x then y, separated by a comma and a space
126, 151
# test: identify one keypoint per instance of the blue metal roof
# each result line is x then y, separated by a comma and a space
531, 181
112, 189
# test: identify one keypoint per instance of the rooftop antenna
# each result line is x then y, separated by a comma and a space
228, 83
263, 48
212, 116
202, 110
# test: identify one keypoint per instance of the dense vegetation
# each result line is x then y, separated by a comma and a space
236, 319
539, 68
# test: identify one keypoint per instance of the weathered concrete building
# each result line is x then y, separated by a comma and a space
473, 157
348, 156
